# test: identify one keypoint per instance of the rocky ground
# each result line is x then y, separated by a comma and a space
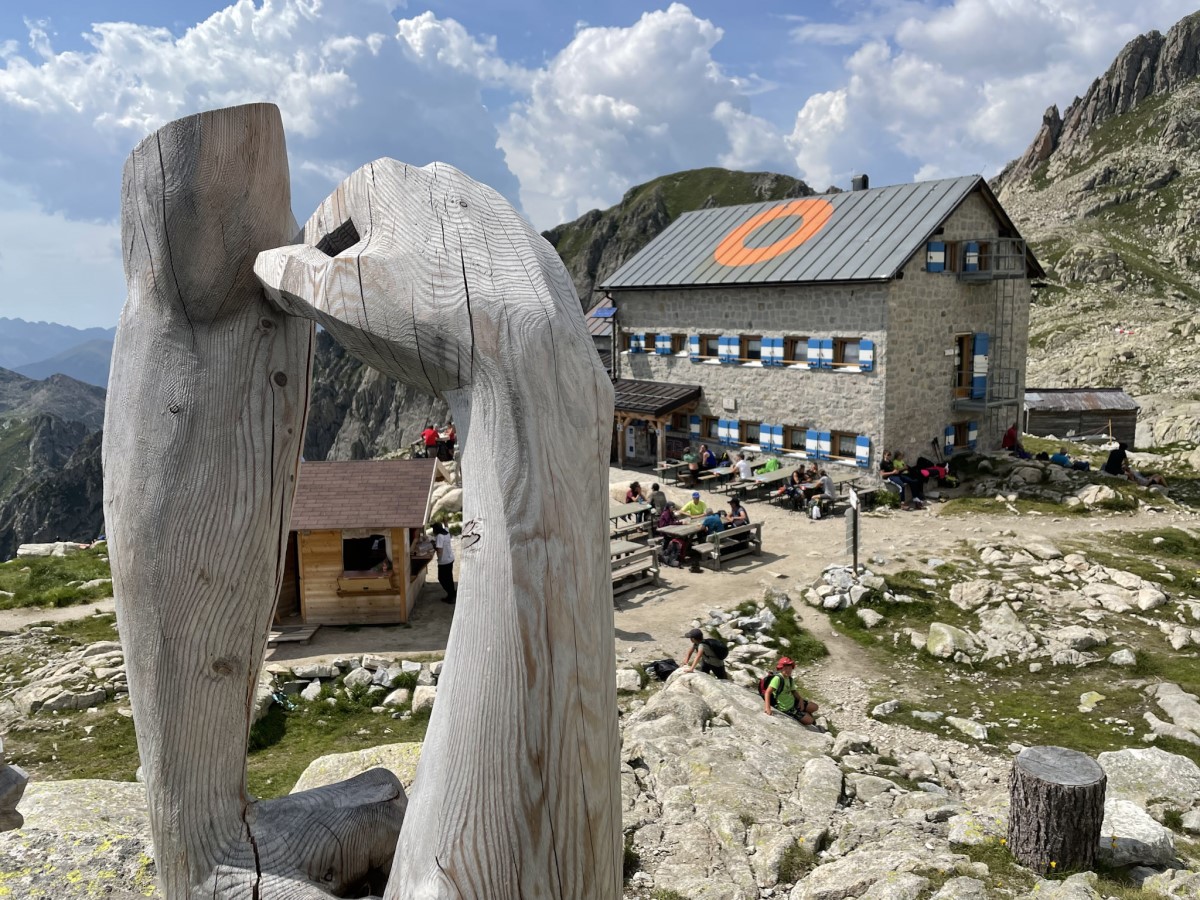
1039, 583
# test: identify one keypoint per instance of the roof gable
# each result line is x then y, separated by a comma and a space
851, 236
372, 493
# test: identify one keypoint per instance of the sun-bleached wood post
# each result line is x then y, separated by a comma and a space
433, 279
205, 414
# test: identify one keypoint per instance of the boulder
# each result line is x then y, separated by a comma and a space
1078, 637
1124, 657
400, 759
423, 698
1091, 494
628, 681
57, 548
1142, 774
969, 727
361, 677
312, 691
400, 697
978, 827
1178, 704
962, 888
854, 875
869, 617
971, 595
449, 502
1130, 837
943, 641
1174, 883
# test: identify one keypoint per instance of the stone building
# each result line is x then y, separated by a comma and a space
834, 326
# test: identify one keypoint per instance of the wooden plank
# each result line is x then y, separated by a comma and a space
290, 634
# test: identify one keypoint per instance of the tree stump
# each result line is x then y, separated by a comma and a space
1056, 809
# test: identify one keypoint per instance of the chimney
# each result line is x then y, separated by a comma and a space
860, 182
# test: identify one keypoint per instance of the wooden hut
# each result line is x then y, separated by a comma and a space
352, 553
1080, 412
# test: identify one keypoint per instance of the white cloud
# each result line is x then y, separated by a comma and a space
618, 106
444, 42
820, 125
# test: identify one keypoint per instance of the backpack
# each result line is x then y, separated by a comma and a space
765, 682
719, 648
672, 554
662, 669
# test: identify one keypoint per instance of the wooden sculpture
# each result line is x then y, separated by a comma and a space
434, 280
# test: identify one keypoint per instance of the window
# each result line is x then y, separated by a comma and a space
625, 341
710, 347
842, 445
845, 353
794, 437
748, 432
679, 343
709, 429
963, 364
680, 422
962, 434
751, 347
795, 350
649, 343
362, 554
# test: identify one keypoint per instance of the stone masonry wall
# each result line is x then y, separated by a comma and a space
926, 310
793, 395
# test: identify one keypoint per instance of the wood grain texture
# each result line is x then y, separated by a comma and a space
1056, 809
205, 413
434, 280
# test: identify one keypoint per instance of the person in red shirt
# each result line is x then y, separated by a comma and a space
430, 437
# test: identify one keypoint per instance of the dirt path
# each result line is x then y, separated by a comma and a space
15, 619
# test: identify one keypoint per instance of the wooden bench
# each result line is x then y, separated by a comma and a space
632, 566
731, 543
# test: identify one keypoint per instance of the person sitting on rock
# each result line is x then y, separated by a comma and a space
1117, 462
706, 656
781, 694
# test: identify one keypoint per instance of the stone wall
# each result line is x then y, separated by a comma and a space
925, 312
792, 395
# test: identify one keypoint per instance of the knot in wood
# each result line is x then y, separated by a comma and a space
266, 324
223, 666
174, 407
280, 379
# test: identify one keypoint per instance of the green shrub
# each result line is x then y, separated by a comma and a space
797, 861
631, 861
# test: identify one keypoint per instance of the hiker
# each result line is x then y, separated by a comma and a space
715, 521
693, 464
914, 480
634, 494
745, 471
658, 500
709, 655
667, 517
793, 488
1012, 440
708, 459
781, 694
695, 507
430, 438
442, 542
737, 513
1063, 458
1145, 479
1117, 462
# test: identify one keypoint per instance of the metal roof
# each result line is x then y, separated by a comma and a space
600, 325
652, 398
1078, 399
849, 236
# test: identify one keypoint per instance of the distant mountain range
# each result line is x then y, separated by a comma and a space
41, 349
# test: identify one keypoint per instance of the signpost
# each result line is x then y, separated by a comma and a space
852, 528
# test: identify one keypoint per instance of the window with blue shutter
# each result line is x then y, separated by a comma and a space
728, 348
979, 367
662, 344
824, 444
935, 256
812, 443
764, 436
972, 434
776, 437
694, 347
694, 426
637, 342
949, 438
772, 351
827, 353
866, 355
814, 353
862, 451
971, 256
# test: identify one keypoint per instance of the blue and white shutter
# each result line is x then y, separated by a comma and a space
972, 434
694, 426
772, 351
866, 355
827, 353
694, 347
979, 367
764, 436
777, 437
824, 445
728, 347
862, 451
814, 353
662, 344
949, 438
727, 431
812, 443
637, 342
971, 256
935, 257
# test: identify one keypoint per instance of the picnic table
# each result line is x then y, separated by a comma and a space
684, 531
632, 565
718, 474
629, 519
670, 469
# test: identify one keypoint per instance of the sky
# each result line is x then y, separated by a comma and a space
559, 105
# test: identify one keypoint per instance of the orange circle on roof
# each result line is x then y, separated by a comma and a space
732, 251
